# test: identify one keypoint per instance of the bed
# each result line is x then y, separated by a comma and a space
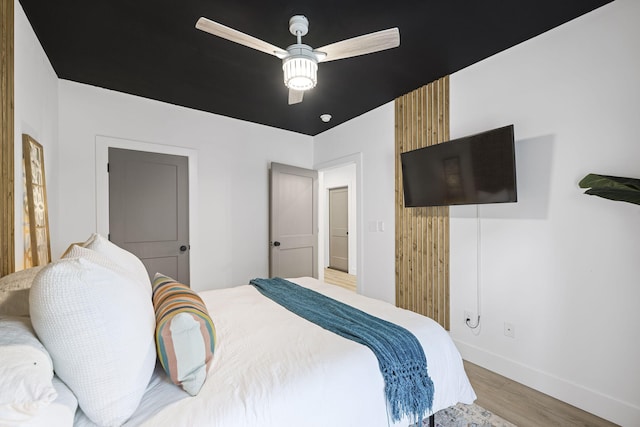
270, 367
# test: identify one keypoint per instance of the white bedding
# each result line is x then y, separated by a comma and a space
60, 412
273, 368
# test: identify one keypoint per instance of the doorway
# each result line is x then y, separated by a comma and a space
103, 143
339, 229
338, 177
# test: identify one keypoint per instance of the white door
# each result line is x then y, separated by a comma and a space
339, 229
293, 222
149, 209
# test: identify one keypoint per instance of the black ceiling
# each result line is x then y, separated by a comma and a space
152, 49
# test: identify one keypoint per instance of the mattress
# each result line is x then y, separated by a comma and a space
273, 368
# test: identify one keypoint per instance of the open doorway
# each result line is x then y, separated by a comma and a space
339, 229
339, 225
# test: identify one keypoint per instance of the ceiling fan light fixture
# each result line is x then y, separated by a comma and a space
300, 61
300, 68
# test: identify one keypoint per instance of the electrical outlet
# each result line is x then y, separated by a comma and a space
509, 330
469, 317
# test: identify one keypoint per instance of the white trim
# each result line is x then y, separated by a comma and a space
602, 405
103, 143
342, 161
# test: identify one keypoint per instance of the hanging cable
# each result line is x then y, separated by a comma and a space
478, 270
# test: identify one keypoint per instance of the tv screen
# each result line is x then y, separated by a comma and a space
474, 169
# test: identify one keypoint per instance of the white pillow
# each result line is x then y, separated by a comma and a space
123, 258
14, 292
98, 326
76, 251
26, 372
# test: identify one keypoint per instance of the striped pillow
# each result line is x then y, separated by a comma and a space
185, 334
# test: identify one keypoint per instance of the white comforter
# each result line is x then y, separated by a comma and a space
273, 368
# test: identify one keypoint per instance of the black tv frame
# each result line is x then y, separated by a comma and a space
474, 169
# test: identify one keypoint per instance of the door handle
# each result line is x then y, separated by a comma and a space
183, 248
276, 243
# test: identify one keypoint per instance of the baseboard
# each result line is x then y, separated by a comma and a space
607, 407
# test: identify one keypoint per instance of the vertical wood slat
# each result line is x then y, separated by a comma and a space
7, 237
422, 234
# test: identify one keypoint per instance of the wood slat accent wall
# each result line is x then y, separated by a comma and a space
422, 234
7, 252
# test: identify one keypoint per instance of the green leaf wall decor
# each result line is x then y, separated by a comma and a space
612, 187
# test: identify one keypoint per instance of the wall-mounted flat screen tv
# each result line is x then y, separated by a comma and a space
474, 169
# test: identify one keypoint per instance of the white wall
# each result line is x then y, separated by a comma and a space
371, 137
561, 266
35, 114
230, 243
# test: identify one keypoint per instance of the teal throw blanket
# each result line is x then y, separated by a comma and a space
408, 387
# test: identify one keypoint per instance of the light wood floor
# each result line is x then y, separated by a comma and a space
524, 406
340, 278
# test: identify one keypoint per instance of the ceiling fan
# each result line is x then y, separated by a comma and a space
300, 61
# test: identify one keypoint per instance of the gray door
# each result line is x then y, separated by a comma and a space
293, 222
339, 229
149, 209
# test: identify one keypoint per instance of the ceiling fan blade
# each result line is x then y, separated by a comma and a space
236, 36
295, 96
361, 45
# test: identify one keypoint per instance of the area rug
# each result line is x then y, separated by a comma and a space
467, 416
